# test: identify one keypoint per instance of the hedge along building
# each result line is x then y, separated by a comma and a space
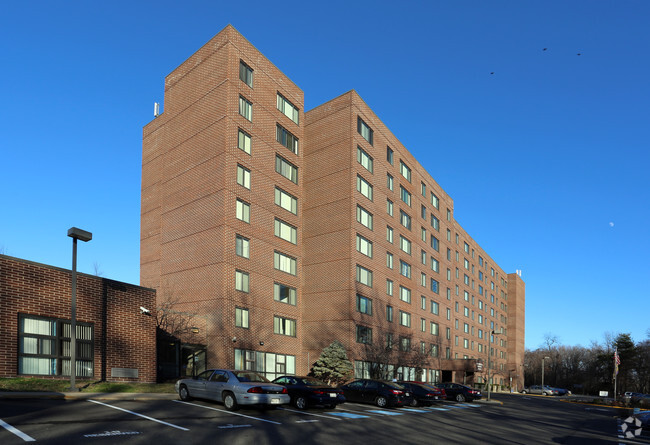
286, 230
115, 340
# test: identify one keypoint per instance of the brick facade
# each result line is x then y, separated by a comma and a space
123, 337
189, 193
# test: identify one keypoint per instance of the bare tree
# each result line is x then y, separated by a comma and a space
98, 272
173, 322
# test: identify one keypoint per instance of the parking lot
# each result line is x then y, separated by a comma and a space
173, 421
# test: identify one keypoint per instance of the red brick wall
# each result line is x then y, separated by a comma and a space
40, 290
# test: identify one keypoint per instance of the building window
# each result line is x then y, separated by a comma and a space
287, 108
405, 219
405, 195
389, 182
286, 169
405, 344
435, 265
241, 281
284, 326
423, 212
245, 74
434, 353
286, 231
243, 211
434, 286
405, 319
405, 171
435, 223
448, 215
435, 307
423, 257
435, 329
364, 159
364, 217
242, 246
243, 176
364, 276
389, 313
286, 138
389, 341
435, 201
44, 347
364, 246
285, 263
389, 155
389, 234
364, 187
405, 294
389, 207
246, 108
274, 365
364, 130
364, 335
389, 287
435, 243
423, 189
423, 327
389, 260
244, 141
241, 318
404, 244
364, 305
405, 269
286, 201
284, 293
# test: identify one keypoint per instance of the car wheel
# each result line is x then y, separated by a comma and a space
230, 402
460, 398
300, 402
524, 391
184, 393
414, 402
381, 402
544, 394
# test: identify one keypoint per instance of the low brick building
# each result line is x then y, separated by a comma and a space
115, 340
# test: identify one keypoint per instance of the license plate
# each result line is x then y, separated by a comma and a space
275, 401
332, 394
407, 394
435, 398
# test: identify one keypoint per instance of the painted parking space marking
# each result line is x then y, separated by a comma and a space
437, 408
308, 413
230, 425
349, 415
138, 414
227, 412
414, 410
385, 413
16, 431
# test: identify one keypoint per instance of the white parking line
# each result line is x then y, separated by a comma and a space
358, 412
16, 431
309, 414
141, 415
227, 412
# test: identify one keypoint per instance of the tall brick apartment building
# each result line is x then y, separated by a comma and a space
282, 231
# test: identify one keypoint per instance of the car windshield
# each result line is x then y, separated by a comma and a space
309, 381
248, 376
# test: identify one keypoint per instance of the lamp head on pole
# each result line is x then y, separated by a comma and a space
79, 234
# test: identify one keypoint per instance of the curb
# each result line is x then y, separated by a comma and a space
86, 395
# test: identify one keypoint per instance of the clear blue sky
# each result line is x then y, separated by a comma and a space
546, 159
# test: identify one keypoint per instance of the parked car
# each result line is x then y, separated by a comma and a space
308, 391
233, 388
460, 393
423, 395
539, 389
380, 392
562, 391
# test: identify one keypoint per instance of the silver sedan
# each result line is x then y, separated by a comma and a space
232, 388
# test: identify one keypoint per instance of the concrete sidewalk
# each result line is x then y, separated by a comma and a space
11, 395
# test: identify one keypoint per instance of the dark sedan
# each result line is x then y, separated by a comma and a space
459, 393
379, 392
423, 395
308, 391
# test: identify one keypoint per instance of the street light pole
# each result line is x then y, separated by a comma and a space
75, 234
488, 363
543, 358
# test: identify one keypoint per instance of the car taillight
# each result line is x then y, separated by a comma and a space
473, 391
319, 392
257, 390
430, 394
284, 391
396, 391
